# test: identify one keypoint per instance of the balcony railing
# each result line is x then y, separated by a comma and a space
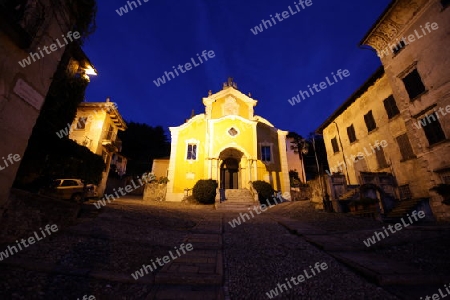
112, 146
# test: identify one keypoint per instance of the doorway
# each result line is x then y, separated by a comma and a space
229, 174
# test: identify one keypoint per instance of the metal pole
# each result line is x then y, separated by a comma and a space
318, 168
343, 155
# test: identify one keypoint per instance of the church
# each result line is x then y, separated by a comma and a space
227, 143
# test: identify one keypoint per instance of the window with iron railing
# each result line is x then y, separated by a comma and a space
405, 192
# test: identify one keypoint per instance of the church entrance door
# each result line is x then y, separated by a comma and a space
229, 174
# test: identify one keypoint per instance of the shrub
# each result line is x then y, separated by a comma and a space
149, 177
163, 180
204, 191
265, 191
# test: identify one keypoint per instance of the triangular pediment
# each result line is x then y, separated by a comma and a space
229, 101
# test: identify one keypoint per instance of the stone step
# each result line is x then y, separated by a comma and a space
237, 193
238, 200
402, 209
199, 267
234, 206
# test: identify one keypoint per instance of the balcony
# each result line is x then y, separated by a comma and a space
112, 146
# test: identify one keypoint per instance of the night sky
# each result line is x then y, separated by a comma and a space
133, 50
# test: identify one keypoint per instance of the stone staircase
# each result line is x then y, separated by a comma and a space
236, 199
403, 207
352, 194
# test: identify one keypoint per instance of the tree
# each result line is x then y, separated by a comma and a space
141, 144
309, 149
300, 146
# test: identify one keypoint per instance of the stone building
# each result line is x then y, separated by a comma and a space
96, 126
407, 106
228, 143
365, 132
160, 167
25, 28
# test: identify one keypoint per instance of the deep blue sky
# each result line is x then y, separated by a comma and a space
132, 50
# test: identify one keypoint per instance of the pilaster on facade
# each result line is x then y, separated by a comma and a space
285, 182
173, 149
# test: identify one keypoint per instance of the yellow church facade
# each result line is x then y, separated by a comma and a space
227, 143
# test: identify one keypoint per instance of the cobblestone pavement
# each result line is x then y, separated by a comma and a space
260, 254
410, 263
99, 253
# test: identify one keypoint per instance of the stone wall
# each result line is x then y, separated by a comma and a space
301, 193
317, 191
23, 89
155, 192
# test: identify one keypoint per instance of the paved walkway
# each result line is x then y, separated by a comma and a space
246, 261
400, 278
197, 274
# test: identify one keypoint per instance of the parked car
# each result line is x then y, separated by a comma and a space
70, 189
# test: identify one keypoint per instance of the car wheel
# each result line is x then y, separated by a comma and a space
77, 197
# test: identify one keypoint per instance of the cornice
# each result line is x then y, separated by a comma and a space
393, 22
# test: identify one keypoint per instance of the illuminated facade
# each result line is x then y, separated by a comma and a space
406, 104
409, 38
368, 118
227, 143
96, 126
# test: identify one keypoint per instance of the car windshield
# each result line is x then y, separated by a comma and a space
55, 183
